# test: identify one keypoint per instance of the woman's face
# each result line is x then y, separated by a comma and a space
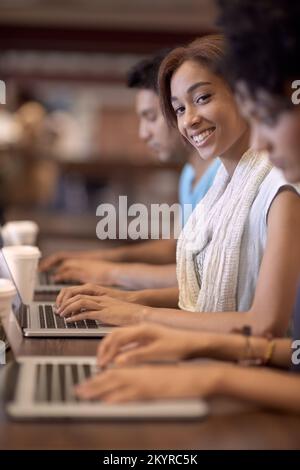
207, 114
273, 129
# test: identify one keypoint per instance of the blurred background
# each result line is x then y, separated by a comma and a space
68, 131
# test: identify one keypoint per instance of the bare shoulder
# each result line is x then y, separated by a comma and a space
285, 207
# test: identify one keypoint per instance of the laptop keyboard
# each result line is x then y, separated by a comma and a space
48, 319
44, 278
55, 382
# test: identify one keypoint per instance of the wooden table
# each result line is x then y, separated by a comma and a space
231, 425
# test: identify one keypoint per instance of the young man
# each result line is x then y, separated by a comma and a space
150, 264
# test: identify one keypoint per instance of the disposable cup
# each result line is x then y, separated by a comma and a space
20, 232
22, 261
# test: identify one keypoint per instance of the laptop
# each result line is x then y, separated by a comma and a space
39, 319
46, 285
42, 387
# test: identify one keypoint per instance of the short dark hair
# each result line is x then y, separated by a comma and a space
207, 50
263, 38
144, 74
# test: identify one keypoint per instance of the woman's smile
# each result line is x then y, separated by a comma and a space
201, 138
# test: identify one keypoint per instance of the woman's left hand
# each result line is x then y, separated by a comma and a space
103, 308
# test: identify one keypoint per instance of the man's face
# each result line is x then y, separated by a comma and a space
274, 129
153, 129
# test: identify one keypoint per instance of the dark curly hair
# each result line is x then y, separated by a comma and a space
263, 39
144, 74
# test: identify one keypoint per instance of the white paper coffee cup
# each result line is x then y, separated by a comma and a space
7, 293
20, 232
23, 261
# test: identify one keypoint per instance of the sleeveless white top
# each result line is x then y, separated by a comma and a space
255, 236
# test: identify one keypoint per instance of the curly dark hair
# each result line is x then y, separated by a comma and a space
144, 74
263, 38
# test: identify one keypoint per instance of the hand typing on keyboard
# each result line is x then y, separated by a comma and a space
104, 309
49, 318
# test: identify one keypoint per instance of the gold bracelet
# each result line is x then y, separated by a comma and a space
269, 352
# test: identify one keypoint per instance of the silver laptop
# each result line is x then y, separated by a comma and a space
42, 387
39, 319
46, 285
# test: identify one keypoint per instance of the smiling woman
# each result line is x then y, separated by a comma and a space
198, 101
240, 248
217, 261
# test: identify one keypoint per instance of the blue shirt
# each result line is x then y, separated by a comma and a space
189, 194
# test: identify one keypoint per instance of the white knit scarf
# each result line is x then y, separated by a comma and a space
214, 233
